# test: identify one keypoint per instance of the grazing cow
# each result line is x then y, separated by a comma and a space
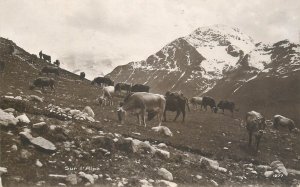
255, 124
122, 86
57, 63
226, 105
82, 75
282, 121
141, 102
176, 102
209, 101
42, 82
103, 81
45, 57
108, 93
195, 101
50, 69
140, 88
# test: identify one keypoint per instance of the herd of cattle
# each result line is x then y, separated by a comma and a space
140, 102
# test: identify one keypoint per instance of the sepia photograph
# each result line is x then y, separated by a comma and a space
149, 93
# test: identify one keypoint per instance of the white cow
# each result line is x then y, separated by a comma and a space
255, 124
141, 102
107, 95
282, 121
195, 101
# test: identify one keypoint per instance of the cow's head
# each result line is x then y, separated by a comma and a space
121, 114
215, 109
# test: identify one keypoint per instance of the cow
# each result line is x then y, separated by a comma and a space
140, 88
122, 86
282, 121
107, 95
103, 81
47, 58
176, 102
195, 101
141, 102
209, 101
57, 63
50, 69
226, 105
255, 124
82, 75
42, 82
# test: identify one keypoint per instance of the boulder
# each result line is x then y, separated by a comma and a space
212, 163
9, 110
23, 119
89, 111
7, 119
166, 183
43, 143
165, 174
162, 129
36, 98
2, 170
39, 125
88, 177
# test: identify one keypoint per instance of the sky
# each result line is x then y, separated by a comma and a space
98, 35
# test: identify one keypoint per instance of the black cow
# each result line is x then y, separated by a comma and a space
47, 58
122, 86
103, 81
57, 63
226, 105
140, 88
82, 75
176, 102
209, 101
42, 82
50, 69
41, 55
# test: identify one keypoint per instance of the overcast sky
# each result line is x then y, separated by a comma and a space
104, 33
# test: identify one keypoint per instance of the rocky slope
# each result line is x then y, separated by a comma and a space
52, 139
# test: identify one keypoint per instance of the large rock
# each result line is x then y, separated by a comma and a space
89, 111
166, 183
212, 163
87, 177
278, 170
165, 174
7, 119
43, 143
36, 98
2, 170
23, 119
162, 129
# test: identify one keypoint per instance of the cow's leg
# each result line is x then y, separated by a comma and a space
250, 138
183, 115
139, 119
223, 111
257, 140
177, 114
160, 117
144, 117
164, 116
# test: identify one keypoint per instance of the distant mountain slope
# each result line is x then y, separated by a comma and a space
225, 63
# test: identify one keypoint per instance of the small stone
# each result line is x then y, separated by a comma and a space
38, 163
14, 147
198, 176
23, 119
165, 174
